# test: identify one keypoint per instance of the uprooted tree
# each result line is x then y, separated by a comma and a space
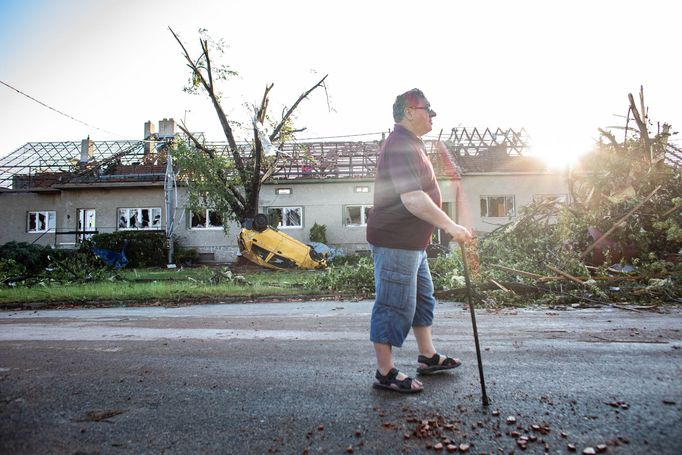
229, 183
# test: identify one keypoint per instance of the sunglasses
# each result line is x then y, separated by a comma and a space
426, 108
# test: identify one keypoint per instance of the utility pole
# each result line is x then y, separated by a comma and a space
169, 190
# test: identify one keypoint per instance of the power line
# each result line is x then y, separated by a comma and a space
58, 111
337, 137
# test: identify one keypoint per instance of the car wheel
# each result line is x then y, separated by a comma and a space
260, 222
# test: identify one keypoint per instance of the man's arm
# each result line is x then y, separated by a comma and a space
419, 204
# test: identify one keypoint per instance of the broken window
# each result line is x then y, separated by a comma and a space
498, 206
139, 218
43, 221
205, 219
87, 222
286, 217
356, 215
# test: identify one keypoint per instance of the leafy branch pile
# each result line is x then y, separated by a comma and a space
28, 264
617, 240
348, 275
25, 264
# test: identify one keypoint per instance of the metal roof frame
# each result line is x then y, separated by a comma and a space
44, 164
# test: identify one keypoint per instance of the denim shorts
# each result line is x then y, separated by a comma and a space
404, 294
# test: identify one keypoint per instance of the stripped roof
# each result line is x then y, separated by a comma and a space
45, 164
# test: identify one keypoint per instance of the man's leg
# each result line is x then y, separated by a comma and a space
384, 353
394, 305
424, 336
423, 319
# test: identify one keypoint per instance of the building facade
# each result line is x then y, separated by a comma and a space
60, 193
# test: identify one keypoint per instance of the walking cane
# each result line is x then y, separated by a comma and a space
484, 396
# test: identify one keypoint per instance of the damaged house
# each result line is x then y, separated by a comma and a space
59, 193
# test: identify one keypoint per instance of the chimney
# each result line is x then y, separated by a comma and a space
87, 150
149, 132
166, 128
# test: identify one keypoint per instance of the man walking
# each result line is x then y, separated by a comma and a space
406, 209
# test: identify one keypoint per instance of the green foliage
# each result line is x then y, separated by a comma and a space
205, 176
318, 233
613, 180
11, 269
219, 72
274, 218
350, 259
447, 272
357, 279
355, 274
76, 266
185, 256
144, 249
34, 258
161, 284
530, 244
626, 189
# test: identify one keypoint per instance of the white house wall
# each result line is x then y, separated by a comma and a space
105, 201
522, 186
322, 202
213, 244
15, 208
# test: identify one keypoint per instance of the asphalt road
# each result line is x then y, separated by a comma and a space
296, 378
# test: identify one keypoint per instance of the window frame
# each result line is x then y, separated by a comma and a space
50, 215
82, 224
284, 217
507, 198
361, 189
364, 214
151, 214
207, 218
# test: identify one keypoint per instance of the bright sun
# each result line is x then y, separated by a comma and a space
558, 153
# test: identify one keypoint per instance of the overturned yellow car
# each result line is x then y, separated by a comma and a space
270, 248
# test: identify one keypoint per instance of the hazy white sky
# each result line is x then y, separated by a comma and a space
559, 69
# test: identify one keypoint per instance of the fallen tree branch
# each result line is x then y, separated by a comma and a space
565, 275
672, 210
500, 286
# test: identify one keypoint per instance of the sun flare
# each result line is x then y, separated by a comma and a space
559, 154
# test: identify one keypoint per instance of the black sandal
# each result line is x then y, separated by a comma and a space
389, 382
433, 365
